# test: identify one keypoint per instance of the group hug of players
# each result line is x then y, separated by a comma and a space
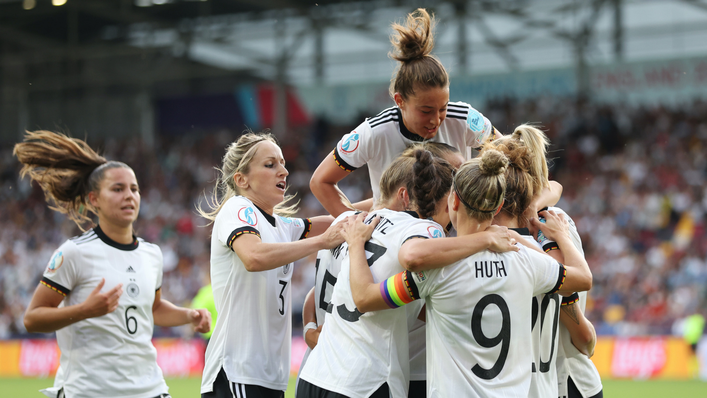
457, 279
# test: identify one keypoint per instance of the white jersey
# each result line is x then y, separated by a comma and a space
381, 139
357, 353
544, 323
110, 355
571, 362
327, 268
253, 331
469, 345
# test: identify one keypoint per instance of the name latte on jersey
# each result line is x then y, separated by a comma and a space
489, 269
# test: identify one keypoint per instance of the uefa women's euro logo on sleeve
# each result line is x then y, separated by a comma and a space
56, 261
350, 142
434, 232
248, 216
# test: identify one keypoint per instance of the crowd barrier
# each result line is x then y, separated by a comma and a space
615, 357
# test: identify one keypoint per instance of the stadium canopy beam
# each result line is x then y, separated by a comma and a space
618, 30
460, 8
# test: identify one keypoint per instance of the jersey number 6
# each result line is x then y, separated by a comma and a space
129, 319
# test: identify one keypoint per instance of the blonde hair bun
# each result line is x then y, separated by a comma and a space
493, 163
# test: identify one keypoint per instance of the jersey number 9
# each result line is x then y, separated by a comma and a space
503, 337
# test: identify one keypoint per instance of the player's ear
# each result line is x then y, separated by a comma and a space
93, 199
455, 201
403, 197
241, 180
399, 100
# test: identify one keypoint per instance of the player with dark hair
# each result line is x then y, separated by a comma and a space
104, 334
422, 112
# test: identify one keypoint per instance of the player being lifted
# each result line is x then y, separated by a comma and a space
253, 246
105, 335
422, 112
469, 345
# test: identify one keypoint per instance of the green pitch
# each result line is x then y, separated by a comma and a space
189, 388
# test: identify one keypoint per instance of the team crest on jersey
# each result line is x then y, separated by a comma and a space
350, 144
434, 232
133, 290
248, 216
56, 261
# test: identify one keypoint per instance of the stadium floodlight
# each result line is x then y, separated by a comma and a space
58, 2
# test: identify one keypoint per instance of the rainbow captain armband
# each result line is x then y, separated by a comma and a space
399, 290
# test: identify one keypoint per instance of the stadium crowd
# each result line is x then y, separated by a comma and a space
634, 178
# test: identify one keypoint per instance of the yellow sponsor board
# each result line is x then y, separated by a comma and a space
652, 357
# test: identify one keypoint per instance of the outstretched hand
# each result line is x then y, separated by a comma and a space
98, 304
355, 231
201, 320
501, 239
333, 237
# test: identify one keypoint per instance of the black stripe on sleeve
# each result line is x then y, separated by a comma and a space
571, 299
415, 237
550, 245
455, 116
55, 286
341, 162
560, 280
411, 286
392, 118
307, 228
238, 232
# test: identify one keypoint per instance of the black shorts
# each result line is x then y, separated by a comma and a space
573, 391
418, 389
223, 388
306, 389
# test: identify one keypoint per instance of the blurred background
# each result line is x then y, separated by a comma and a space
620, 87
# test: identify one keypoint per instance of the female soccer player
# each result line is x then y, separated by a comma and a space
562, 349
469, 345
367, 355
104, 335
253, 246
396, 194
422, 112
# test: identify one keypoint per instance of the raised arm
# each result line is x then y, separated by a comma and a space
423, 254
579, 277
324, 187
44, 316
365, 292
